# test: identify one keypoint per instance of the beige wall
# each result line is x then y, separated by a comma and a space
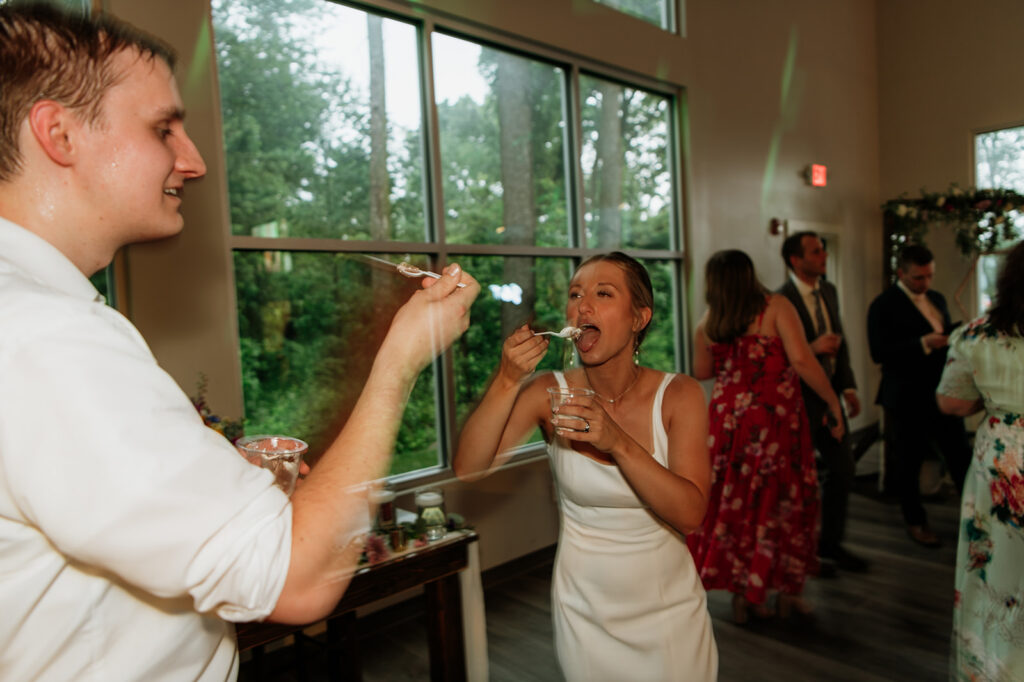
179, 292
945, 77
778, 86
876, 92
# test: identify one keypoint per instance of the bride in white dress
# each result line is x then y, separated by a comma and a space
633, 475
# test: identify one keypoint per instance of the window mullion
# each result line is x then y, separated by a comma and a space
574, 148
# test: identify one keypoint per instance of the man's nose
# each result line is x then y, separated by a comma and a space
189, 161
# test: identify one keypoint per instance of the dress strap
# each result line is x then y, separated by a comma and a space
560, 378
658, 432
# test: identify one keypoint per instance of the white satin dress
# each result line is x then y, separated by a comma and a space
626, 599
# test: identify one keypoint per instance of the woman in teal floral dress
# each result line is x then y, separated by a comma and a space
985, 370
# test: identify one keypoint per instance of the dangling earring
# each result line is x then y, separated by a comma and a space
636, 353
570, 361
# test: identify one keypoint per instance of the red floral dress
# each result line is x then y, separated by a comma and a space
761, 528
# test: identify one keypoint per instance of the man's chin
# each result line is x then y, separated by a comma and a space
170, 228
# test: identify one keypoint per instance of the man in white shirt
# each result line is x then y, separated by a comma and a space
908, 327
817, 303
130, 532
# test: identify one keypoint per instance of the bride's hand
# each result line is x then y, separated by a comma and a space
520, 354
583, 419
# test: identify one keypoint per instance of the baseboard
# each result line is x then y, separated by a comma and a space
518, 566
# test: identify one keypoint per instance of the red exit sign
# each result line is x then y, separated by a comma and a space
817, 175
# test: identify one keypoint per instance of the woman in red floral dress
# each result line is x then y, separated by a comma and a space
760, 532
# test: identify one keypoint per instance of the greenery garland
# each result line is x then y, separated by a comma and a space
982, 219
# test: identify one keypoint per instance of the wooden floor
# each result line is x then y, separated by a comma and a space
892, 623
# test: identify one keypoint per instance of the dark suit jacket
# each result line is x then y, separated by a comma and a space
843, 377
895, 328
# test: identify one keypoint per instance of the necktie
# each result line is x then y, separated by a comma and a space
819, 313
819, 321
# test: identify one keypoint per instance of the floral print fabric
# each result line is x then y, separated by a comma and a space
988, 630
760, 531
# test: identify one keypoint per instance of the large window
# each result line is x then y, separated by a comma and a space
999, 164
344, 148
657, 12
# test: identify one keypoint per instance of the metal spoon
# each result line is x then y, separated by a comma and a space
566, 333
403, 267
413, 271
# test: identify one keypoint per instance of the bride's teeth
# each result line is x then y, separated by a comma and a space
173, 192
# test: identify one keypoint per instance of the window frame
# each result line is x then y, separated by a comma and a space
978, 273
427, 22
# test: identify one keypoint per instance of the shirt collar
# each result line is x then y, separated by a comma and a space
24, 251
803, 287
913, 297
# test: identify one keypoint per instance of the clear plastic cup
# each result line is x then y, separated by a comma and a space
281, 455
559, 396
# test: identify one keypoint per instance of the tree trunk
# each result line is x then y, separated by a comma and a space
515, 119
380, 182
609, 167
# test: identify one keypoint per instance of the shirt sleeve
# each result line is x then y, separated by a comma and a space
106, 456
958, 376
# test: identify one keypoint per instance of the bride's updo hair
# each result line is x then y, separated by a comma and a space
641, 291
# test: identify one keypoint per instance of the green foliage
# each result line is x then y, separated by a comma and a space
982, 219
626, 166
296, 134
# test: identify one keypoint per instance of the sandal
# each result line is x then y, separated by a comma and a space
740, 612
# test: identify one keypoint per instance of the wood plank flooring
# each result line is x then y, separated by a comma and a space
892, 623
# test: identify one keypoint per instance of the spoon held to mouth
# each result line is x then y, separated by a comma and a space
565, 333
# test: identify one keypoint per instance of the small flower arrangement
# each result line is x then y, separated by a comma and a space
377, 549
983, 219
230, 429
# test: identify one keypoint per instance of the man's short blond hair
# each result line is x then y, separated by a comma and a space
48, 54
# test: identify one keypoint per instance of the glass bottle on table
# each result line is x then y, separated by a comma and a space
430, 508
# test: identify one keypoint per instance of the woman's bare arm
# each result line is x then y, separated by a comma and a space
514, 403
803, 360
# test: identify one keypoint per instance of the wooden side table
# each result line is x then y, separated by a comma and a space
435, 566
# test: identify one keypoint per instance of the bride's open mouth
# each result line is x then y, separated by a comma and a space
588, 337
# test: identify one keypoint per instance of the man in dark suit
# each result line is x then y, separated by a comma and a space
908, 327
817, 303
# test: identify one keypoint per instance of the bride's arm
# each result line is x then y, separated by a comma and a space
679, 494
515, 402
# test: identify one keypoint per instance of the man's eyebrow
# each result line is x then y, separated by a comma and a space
171, 114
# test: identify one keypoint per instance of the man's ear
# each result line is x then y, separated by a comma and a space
54, 128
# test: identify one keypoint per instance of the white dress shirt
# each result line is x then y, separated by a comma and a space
129, 531
927, 310
807, 295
